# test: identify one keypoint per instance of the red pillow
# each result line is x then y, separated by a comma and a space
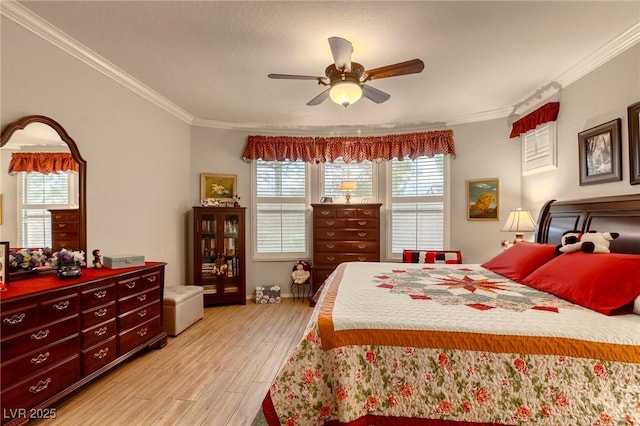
521, 259
605, 283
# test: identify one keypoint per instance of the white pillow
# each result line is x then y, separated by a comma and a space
636, 306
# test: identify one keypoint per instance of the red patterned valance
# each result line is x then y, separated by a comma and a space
544, 114
53, 162
350, 148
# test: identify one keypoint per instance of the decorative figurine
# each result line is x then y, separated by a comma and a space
301, 273
97, 259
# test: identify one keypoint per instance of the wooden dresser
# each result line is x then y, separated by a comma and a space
58, 335
65, 229
343, 233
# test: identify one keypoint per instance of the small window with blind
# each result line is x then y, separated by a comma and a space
417, 205
360, 173
280, 193
539, 149
37, 194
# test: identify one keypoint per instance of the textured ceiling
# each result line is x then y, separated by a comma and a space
211, 59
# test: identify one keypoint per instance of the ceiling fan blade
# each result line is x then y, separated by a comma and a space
294, 77
341, 50
413, 66
319, 99
376, 95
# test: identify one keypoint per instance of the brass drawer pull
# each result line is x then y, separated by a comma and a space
331, 258
367, 212
42, 385
324, 212
131, 285
361, 246
40, 358
330, 246
62, 225
362, 234
362, 259
62, 234
16, 319
42, 334
142, 313
101, 353
362, 222
100, 313
61, 306
330, 233
100, 294
331, 222
101, 331
142, 297
152, 279
142, 332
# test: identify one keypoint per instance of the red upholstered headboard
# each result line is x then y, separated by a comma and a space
606, 214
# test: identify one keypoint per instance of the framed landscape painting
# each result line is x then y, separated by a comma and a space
483, 201
218, 187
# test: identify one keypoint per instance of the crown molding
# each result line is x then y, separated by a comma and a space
38, 26
32, 22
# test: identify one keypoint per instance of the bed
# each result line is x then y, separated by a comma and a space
527, 337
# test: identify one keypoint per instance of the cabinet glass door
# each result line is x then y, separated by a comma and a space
208, 253
231, 265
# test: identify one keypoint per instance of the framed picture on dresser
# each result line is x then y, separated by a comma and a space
633, 114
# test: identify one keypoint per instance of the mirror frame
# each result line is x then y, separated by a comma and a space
20, 124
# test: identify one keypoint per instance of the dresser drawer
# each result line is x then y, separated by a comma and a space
361, 223
335, 259
41, 359
98, 315
98, 333
98, 296
333, 246
367, 212
61, 307
65, 216
330, 223
320, 212
346, 234
138, 283
99, 355
40, 387
38, 337
133, 318
18, 320
136, 336
138, 300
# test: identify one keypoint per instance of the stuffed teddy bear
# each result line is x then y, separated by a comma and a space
588, 242
301, 272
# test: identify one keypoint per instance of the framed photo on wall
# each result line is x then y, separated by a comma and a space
633, 115
218, 187
599, 150
483, 202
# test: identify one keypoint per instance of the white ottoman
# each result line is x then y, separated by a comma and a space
182, 306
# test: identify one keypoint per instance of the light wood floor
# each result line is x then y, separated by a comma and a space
215, 373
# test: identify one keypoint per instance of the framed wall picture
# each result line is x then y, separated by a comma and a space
4, 265
633, 115
599, 150
483, 202
218, 187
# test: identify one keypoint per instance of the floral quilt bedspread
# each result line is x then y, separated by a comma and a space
393, 343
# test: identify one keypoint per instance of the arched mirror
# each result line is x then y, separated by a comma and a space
65, 224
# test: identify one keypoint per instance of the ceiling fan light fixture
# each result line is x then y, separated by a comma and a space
345, 93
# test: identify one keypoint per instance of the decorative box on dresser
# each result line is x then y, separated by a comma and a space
65, 229
58, 335
343, 233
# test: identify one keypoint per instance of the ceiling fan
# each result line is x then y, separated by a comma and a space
346, 80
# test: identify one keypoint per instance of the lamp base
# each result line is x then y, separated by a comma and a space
348, 198
519, 237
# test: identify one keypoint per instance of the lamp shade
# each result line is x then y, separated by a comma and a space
519, 221
347, 185
345, 93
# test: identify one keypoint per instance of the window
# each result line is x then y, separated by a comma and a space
417, 204
280, 200
37, 193
539, 149
361, 173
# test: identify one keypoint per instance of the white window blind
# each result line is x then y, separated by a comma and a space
38, 193
280, 194
539, 149
417, 204
361, 173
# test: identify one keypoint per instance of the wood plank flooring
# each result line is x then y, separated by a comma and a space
215, 373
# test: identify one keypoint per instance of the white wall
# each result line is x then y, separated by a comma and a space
138, 156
